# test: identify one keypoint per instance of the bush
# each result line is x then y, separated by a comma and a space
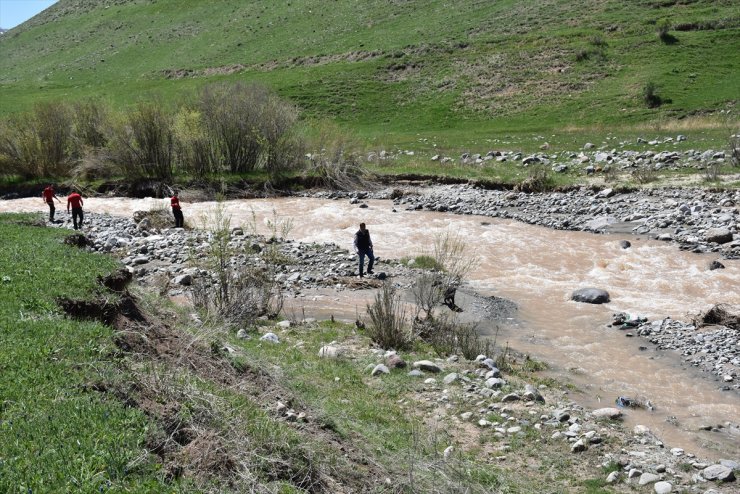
650, 95
387, 326
336, 163
598, 41
448, 337
250, 128
237, 295
539, 179
428, 292
91, 122
645, 174
423, 261
735, 150
142, 144
39, 144
193, 149
661, 29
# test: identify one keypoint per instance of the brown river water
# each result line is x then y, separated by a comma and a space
537, 268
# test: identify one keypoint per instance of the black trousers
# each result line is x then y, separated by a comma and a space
77, 213
52, 209
179, 219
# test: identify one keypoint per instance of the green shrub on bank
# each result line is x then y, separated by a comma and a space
38, 143
233, 128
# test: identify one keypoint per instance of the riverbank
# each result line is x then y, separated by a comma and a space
313, 270
507, 418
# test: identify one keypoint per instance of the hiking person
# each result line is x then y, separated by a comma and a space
74, 200
177, 211
364, 247
48, 196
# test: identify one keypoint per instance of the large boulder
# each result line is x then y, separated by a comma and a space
718, 472
718, 235
590, 296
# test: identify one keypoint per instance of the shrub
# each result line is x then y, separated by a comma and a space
90, 123
661, 29
237, 295
249, 127
645, 174
387, 326
598, 41
448, 336
336, 163
193, 149
735, 150
428, 292
539, 179
712, 172
39, 143
142, 144
650, 95
423, 261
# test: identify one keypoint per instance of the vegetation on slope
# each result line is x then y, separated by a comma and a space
394, 67
56, 433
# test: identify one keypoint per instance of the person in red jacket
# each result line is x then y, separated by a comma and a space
48, 196
74, 200
177, 211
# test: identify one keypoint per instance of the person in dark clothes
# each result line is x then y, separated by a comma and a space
364, 247
48, 196
177, 211
74, 200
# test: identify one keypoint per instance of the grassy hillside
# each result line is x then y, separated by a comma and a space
459, 69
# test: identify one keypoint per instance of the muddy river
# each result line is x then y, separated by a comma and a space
538, 269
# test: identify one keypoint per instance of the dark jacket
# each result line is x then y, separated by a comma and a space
362, 240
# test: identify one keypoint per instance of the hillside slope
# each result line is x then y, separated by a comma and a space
393, 65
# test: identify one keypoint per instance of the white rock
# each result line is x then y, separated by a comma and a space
663, 487
380, 369
426, 366
271, 337
648, 478
448, 452
330, 351
610, 413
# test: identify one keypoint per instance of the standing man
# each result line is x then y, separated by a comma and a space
48, 196
177, 211
364, 247
74, 200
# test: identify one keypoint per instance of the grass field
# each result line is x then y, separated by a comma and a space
393, 70
56, 434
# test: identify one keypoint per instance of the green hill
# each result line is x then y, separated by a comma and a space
394, 66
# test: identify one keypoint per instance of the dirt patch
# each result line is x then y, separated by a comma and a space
77, 240
116, 281
100, 309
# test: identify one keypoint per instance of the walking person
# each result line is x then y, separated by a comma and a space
48, 196
74, 200
177, 211
364, 247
